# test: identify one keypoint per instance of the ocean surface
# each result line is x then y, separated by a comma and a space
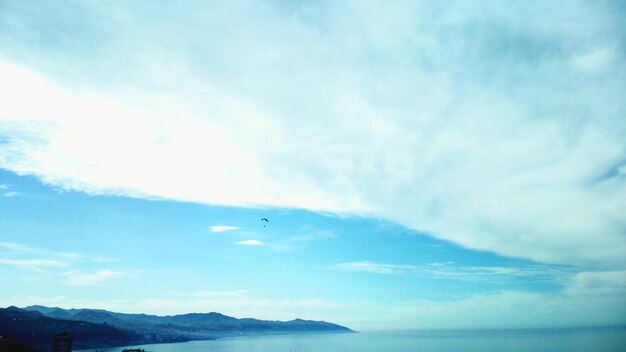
565, 340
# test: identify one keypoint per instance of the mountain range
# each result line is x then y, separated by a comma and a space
95, 328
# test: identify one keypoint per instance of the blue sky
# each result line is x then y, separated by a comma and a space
422, 165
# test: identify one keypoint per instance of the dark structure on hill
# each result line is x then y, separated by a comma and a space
62, 342
7, 344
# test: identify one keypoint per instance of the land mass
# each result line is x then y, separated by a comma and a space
35, 326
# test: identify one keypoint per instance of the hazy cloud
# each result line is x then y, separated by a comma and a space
377, 268
250, 243
466, 273
501, 310
21, 256
76, 278
213, 294
222, 228
459, 120
52, 262
33, 264
17, 247
598, 283
297, 242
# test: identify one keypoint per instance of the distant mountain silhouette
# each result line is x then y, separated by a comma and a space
91, 328
32, 328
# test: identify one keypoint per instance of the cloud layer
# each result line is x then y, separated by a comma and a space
466, 273
485, 124
53, 264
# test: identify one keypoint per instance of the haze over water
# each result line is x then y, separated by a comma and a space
570, 340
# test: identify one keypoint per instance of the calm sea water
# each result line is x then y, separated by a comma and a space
574, 340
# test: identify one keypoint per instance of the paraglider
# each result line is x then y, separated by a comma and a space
264, 219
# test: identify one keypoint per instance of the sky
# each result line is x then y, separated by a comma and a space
422, 165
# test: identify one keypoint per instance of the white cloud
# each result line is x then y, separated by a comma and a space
235, 294
222, 228
250, 243
3, 186
595, 59
598, 284
376, 268
459, 122
17, 247
450, 270
10, 194
49, 261
33, 264
21, 250
75, 278
21, 256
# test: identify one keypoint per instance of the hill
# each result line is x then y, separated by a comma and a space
22, 327
91, 328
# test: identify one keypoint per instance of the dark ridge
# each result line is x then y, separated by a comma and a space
35, 330
96, 328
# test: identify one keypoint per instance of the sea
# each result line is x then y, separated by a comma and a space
561, 340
